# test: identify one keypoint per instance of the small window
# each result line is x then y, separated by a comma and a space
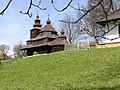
33, 32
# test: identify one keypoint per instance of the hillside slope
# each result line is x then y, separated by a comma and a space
97, 69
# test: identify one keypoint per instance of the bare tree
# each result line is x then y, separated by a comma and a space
4, 49
103, 10
71, 31
17, 50
95, 15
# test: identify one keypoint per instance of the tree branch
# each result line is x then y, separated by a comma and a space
78, 8
63, 8
83, 14
28, 12
2, 12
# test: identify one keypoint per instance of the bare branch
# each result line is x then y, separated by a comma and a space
38, 6
2, 12
63, 8
106, 16
109, 30
28, 12
83, 14
110, 39
78, 8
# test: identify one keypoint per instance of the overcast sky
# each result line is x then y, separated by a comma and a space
15, 27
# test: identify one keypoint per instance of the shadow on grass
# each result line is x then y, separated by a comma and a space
102, 88
105, 88
92, 88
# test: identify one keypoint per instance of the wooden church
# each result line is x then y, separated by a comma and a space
44, 39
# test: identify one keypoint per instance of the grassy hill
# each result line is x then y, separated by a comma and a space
97, 69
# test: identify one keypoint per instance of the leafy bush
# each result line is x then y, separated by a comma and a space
35, 53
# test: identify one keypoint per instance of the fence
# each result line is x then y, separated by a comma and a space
80, 46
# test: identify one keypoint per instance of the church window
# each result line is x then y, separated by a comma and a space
33, 32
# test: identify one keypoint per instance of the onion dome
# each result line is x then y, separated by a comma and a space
62, 31
37, 22
48, 20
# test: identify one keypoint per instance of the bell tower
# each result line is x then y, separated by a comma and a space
36, 28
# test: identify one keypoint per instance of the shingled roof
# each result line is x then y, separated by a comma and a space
42, 37
45, 32
60, 40
48, 28
113, 16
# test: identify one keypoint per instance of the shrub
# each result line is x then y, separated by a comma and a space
35, 53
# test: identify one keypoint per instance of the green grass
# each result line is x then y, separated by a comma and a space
97, 69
